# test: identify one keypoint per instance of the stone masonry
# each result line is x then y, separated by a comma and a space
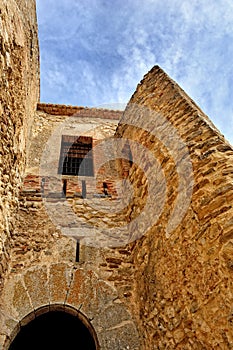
183, 281
144, 255
19, 70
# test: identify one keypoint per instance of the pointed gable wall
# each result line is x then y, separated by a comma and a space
184, 266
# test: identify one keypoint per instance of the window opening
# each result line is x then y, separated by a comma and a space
76, 156
105, 188
84, 189
42, 184
77, 251
64, 188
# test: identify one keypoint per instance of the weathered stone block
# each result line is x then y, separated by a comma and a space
123, 336
15, 301
59, 282
36, 282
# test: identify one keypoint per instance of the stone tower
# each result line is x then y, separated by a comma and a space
116, 228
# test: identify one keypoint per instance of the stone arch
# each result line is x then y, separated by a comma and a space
79, 320
68, 287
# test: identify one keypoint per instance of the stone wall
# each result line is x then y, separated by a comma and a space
164, 274
64, 110
48, 270
174, 276
19, 71
35, 232
182, 275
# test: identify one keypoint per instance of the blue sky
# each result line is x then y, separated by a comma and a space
95, 52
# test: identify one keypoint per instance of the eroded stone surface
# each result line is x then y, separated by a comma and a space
171, 289
72, 290
15, 302
36, 283
183, 281
19, 96
59, 282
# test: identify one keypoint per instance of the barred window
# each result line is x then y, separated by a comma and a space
76, 156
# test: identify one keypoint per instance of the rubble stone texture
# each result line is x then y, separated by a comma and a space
19, 71
171, 286
183, 281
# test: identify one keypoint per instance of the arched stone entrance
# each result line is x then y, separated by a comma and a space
66, 288
59, 328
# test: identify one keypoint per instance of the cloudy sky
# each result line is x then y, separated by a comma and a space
95, 52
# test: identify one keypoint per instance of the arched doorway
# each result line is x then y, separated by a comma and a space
54, 330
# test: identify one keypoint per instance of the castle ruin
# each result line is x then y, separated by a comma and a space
116, 228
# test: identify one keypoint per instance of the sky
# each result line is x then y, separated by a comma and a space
94, 52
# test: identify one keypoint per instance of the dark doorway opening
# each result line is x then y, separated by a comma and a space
54, 330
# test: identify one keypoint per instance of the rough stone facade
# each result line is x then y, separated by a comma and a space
145, 265
183, 281
44, 273
19, 70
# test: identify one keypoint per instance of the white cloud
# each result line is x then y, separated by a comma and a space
96, 51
